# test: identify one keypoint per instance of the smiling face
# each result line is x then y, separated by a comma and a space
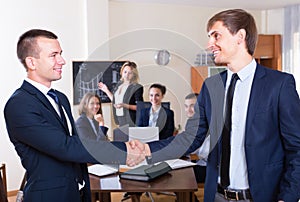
93, 107
48, 66
127, 74
224, 45
189, 107
155, 96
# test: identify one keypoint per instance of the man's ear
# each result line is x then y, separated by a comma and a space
241, 34
30, 62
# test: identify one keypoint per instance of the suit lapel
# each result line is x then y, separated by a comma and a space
96, 125
220, 122
33, 91
255, 95
43, 99
162, 118
66, 106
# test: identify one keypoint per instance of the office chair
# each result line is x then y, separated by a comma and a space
121, 134
3, 183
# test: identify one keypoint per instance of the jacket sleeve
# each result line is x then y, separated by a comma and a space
289, 117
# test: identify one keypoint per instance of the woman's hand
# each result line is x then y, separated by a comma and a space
121, 105
99, 118
102, 87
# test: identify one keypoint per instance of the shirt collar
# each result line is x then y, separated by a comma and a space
245, 72
39, 86
156, 112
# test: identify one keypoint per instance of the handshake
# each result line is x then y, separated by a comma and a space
136, 152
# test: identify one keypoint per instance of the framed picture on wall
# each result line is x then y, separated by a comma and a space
87, 75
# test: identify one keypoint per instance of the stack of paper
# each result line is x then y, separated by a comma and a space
102, 170
174, 164
179, 163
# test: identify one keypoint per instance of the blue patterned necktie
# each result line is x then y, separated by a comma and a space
54, 96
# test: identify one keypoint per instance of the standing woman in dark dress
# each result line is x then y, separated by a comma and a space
125, 95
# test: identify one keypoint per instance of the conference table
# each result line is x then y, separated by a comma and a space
180, 181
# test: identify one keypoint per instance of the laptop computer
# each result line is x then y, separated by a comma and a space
144, 134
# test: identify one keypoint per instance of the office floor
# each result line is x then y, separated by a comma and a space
117, 197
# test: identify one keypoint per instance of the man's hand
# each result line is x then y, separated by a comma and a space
135, 155
143, 147
134, 144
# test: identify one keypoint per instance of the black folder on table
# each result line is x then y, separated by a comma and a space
146, 172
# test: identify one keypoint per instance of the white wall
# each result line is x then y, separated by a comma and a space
147, 27
274, 21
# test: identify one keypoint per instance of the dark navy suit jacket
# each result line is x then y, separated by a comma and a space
165, 121
54, 160
272, 135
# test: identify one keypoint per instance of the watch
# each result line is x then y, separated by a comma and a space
162, 57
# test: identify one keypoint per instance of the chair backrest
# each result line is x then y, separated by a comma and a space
141, 105
121, 134
3, 183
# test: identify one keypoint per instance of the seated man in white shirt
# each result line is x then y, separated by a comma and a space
202, 152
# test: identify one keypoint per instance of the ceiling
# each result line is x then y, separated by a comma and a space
253, 4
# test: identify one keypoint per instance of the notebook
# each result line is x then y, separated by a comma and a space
144, 134
146, 172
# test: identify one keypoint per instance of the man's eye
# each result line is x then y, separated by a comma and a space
217, 36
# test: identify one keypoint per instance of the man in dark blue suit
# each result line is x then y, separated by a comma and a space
264, 164
41, 127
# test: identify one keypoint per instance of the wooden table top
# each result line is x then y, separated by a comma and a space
179, 180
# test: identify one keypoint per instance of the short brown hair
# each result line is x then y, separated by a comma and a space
27, 45
234, 20
191, 96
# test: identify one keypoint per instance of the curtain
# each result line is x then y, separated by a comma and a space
291, 42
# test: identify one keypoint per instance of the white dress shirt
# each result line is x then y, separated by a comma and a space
119, 97
153, 116
238, 166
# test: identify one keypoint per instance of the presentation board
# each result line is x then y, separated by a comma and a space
87, 75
